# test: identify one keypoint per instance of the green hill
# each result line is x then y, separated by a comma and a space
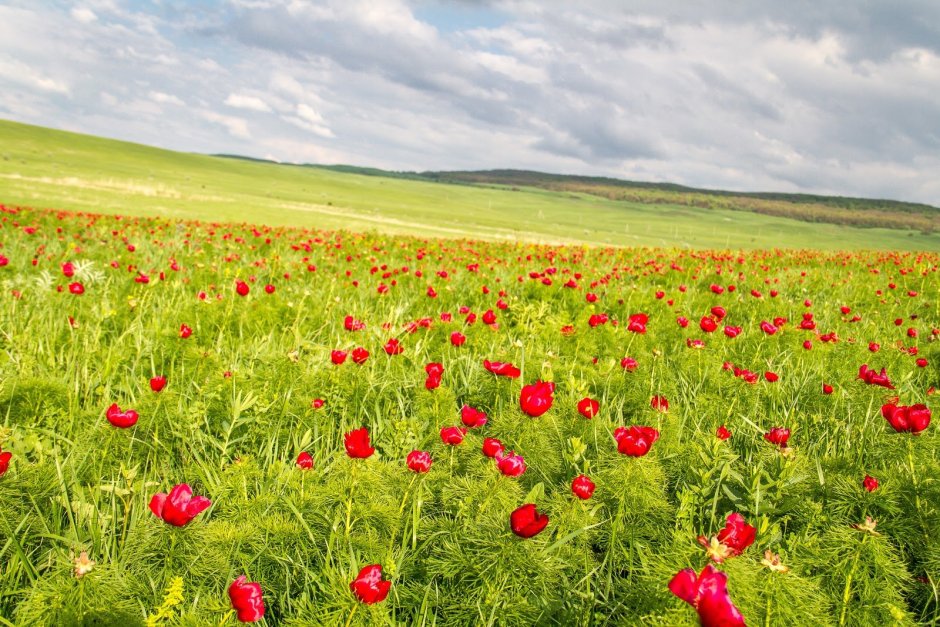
42, 167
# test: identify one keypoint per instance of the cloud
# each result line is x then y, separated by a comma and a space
252, 103
83, 15
798, 96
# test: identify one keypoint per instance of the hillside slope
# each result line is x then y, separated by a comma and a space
43, 167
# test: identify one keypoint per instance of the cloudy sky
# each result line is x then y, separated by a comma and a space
837, 96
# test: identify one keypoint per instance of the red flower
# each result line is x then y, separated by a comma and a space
393, 347
360, 355
826, 388
682, 321
357, 444
708, 594
629, 364
419, 461
722, 433
588, 407
526, 521
638, 323
246, 599
635, 441
471, 417
870, 483
305, 461
489, 317
492, 447
921, 362
317, 403
778, 436
736, 536
452, 436
660, 403
874, 378
536, 399
242, 288
732, 332
502, 369
582, 487
76, 288
434, 370
122, 419
351, 324
5, 457
457, 338
707, 324
369, 586
180, 507
185, 331
902, 418
510, 464
772, 377
338, 357
269, 289
158, 383
68, 269
768, 328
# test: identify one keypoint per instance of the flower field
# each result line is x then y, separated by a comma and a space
202, 424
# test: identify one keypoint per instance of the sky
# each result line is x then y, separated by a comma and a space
837, 97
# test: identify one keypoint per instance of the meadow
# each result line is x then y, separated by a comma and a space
41, 167
513, 433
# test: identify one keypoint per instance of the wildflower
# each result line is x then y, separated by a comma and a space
708, 594
369, 587
526, 521
492, 447
472, 417
635, 441
360, 355
246, 599
357, 444
510, 464
736, 536
778, 436
158, 383
338, 357
185, 331
502, 369
870, 483
453, 435
179, 507
722, 433
772, 561
83, 565
582, 487
305, 461
660, 404
902, 418
119, 418
536, 399
419, 461
588, 407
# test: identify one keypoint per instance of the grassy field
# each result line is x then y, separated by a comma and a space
47, 168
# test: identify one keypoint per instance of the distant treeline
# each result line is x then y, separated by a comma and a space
861, 212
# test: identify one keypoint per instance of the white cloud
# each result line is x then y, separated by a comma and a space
162, 98
242, 101
83, 15
237, 127
308, 119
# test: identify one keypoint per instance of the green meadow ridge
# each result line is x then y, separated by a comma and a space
47, 168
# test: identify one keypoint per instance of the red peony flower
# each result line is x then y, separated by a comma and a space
492, 447
708, 594
119, 418
453, 436
870, 483
471, 417
736, 536
360, 355
510, 464
629, 364
5, 457
502, 369
537, 398
393, 347
246, 599
76, 288
369, 587
635, 441
241, 288
722, 433
826, 388
419, 461
526, 521
338, 357
902, 418
357, 444
660, 403
457, 338
772, 377
179, 507
872, 377
305, 461
588, 407
582, 487
158, 383
185, 331
778, 436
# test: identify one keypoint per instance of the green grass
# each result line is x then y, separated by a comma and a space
42, 167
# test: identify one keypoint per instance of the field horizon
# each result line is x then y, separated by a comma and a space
48, 168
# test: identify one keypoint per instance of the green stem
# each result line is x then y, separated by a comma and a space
351, 614
847, 592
